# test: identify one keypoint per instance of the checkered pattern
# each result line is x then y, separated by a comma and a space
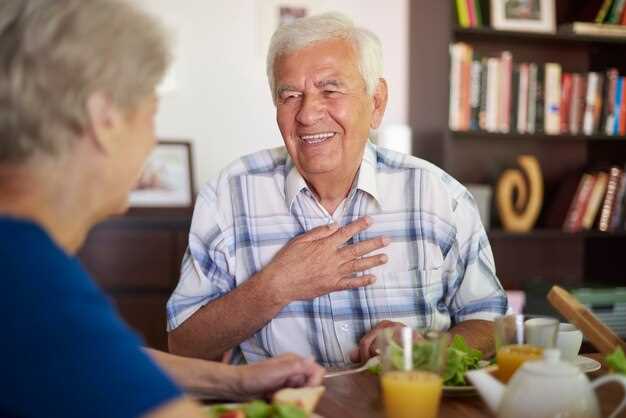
440, 270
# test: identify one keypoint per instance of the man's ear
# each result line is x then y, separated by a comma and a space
105, 121
380, 103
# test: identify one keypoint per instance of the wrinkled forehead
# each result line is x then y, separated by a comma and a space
319, 60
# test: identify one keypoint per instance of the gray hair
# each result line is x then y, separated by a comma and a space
306, 31
55, 53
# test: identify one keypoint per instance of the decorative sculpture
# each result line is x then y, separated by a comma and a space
519, 195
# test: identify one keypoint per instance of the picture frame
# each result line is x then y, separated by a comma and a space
524, 15
166, 181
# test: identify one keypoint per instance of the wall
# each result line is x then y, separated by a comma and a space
220, 99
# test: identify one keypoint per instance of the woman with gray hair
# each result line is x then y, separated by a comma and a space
77, 106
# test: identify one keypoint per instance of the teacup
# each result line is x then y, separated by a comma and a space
569, 340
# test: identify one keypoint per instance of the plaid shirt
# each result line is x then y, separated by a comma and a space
440, 269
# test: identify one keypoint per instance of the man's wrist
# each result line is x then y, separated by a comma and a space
266, 283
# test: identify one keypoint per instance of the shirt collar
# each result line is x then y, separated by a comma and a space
295, 183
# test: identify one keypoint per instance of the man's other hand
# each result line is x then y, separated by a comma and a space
367, 345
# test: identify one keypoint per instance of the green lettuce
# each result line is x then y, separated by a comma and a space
617, 361
461, 358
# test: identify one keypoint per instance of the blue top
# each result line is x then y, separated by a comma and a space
64, 351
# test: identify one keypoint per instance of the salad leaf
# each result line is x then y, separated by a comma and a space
617, 361
257, 409
461, 358
288, 411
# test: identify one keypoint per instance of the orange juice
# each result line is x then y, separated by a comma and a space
510, 357
411, 394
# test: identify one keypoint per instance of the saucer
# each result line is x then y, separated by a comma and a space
586, 364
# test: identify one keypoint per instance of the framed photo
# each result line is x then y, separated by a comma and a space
166, 181
523, 15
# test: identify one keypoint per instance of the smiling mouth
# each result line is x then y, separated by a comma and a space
314, 139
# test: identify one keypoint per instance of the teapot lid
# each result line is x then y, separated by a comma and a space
551, 365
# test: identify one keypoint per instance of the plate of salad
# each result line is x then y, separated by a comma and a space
461, 358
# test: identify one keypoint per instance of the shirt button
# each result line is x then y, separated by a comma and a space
345, 327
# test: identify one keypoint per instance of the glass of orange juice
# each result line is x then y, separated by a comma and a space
520, 338
413, 362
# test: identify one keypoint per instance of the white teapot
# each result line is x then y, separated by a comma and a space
548, 388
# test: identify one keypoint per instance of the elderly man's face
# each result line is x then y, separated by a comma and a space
323, 111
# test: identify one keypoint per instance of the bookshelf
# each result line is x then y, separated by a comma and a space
547, 253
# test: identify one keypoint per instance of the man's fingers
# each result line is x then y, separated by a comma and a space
319, 232
348, 231
354, 282
363, 264
362, 248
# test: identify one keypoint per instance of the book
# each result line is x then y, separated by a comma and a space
608, 117
608, 205
533, 70
552, 93
593, 29
604, 11
504, 107
618, 211
475, 93
577, 105
617, 107
591, 102
566, 101
573, 219
471, 12
462, 14
615, 15
522, 99
493, 94
595, 199
482, 112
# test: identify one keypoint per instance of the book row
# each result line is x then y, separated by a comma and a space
494, 94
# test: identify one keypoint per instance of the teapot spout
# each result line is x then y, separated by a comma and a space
490, 388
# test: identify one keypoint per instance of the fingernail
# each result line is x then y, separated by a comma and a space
369, 220
384, 258
386, 241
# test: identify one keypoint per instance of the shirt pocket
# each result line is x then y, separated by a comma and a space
414, 297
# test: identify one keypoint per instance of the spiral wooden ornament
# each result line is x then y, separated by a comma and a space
519, 195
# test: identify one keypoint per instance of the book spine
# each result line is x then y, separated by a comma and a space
482, 112
573, 220
617, 107
479, 13
618, 211
616, 12
603, 11
622, 117
566, 102
609, 199
515, 78
462, 13
532, 97
471, 13
592, 82
466, 75
575, 104
595, 198
475, 93
597, 103
522, 104
506, 67
493, 83
552, 99
455, 86
541, 100
609, 100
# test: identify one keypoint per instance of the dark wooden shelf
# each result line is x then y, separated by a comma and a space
489, 34
553, 234
472, 135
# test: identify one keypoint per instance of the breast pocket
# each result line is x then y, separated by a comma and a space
414, 297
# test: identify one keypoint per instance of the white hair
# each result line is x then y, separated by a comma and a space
306, 31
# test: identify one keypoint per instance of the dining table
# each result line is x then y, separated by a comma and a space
358, 395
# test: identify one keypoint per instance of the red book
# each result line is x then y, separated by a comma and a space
574, 218
566, 101
471, 10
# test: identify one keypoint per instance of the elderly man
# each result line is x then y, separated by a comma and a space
286, 247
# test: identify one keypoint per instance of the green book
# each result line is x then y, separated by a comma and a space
479, 13
604, 11
462, 13
616, 12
